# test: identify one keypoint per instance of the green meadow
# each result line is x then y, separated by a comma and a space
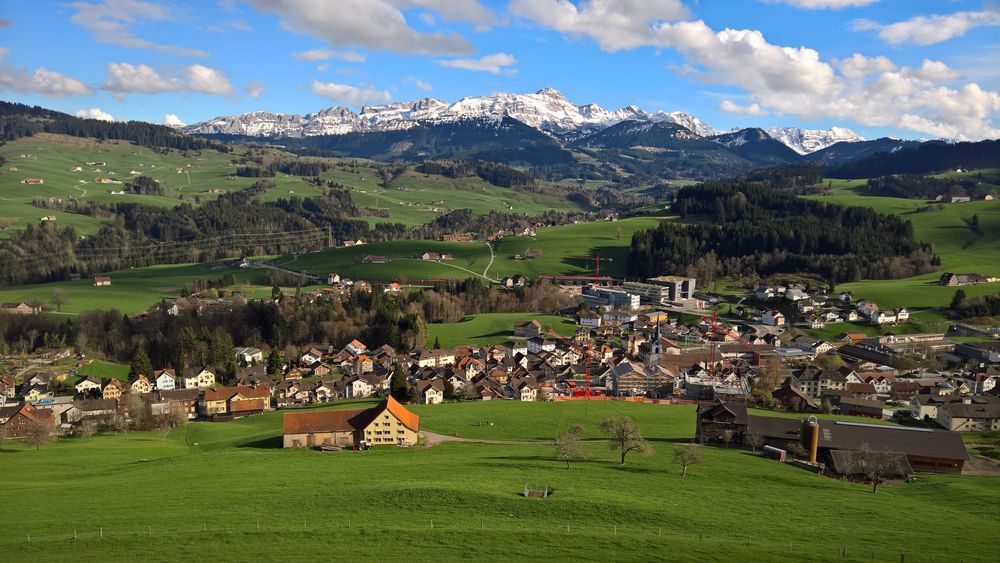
226, 491
492, 328
960, 249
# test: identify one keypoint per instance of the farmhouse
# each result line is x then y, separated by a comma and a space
235, 401
375, 259
970, 415
527, 329
87, 384
165, 379
33, 181
962, 279
773, 318
112, 390
389, 423
100, 281
197, 378
21, 308
27, 419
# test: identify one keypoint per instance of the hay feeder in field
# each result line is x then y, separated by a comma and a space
536, 491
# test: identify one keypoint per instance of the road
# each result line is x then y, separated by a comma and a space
433, 439
490, 265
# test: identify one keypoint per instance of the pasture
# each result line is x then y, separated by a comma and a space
226, 491
961, 250
491, 328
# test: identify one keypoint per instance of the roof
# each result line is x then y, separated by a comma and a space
408, 419
179, 394
346, 420
738, 410
851, 462
962, 410
910, 441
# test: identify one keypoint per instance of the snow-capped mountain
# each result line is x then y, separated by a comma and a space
805, 141
546, 110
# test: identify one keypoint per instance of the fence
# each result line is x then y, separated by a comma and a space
485, 538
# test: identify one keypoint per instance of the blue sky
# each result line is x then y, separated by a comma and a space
905, 68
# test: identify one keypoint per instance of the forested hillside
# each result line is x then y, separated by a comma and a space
744, 229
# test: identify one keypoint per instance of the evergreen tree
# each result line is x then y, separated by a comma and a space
274, 365
140, 364
399, 388
958, 299
437, 343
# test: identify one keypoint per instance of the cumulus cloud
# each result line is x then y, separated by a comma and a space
752, 109
349, 95
42, 81
94, 113
125, 78
928, 30
823, 4
110, 21
614, 24
424, 86
171, 120
373, 24
870, 91
471, 11
796, 81
255, 90
327, 54
495, 63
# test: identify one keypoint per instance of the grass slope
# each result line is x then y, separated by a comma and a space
491, 328
236, 496
960, 249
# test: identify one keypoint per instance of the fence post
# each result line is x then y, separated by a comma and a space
29, 537
258, 525
102, 532
74, 533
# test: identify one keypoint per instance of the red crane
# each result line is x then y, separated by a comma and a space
597, 260
717, 330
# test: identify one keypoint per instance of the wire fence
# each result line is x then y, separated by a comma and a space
584, 539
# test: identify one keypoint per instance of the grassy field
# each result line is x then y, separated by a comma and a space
135, 290
556, 244
225, 491
960, 249
491, 328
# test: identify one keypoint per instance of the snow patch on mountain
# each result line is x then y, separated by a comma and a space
805, 141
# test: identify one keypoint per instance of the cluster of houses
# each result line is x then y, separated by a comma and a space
818, 309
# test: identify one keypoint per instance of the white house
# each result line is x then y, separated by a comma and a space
590, 319
773, 318
165, 379
539, 344
249, 356
356, 388
431, 392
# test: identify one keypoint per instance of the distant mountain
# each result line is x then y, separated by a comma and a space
640, 134
546, 110
806, 141
501, 139
845, 151
757, 146
920, 158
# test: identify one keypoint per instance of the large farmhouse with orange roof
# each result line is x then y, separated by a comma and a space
388, 423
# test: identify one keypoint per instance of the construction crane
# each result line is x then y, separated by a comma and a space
597, 260
717, 330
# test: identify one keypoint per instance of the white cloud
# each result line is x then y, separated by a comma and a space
171, 120
326, 54
614, 24
110, 22
752, 109
323, 67
424, 86
796, 81
928, 30
94, 113
373, 24
858, 66
495, 63
471, 11
255, 90
42, 81
125, 78
349, 95
823, 4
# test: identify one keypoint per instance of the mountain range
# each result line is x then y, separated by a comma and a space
547, 110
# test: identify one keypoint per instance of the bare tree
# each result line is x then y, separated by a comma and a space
755, 441
625, 437
569, 447
38, 434
59, 298
727, 436
686, 455
876, 465
87, 428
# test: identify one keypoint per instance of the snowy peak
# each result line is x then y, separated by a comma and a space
805, 141
547, 110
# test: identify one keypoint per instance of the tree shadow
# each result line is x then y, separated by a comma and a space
270, 443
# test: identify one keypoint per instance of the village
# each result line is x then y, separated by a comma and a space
654, 341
